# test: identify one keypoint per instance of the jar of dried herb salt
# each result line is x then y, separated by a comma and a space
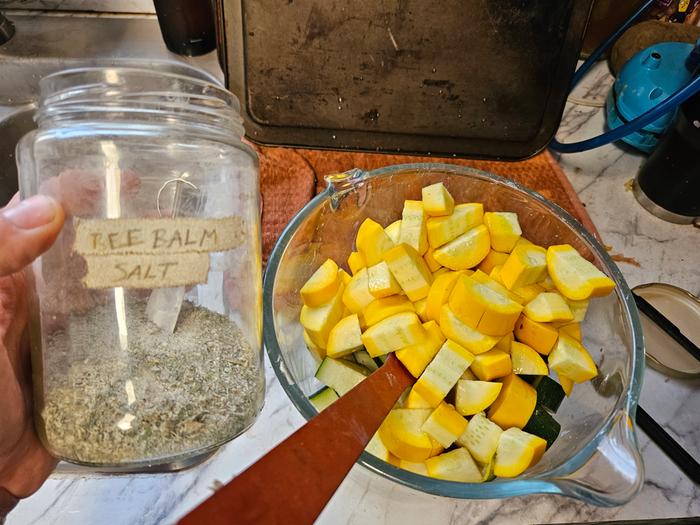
146, 312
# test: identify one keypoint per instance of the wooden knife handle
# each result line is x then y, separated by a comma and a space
293, 482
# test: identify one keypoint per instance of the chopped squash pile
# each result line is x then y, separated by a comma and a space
478, 314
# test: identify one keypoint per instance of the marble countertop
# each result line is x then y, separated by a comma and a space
664, 253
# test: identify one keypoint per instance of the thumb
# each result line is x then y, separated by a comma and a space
27, 229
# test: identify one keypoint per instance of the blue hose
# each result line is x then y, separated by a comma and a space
641, 121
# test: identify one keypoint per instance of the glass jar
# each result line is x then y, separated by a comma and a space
146, 312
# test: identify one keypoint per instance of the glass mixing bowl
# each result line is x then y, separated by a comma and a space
596, 457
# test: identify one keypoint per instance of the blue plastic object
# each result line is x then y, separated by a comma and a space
647, 79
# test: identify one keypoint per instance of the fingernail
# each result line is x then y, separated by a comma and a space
32, 213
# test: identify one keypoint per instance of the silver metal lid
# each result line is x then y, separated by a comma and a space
682, 308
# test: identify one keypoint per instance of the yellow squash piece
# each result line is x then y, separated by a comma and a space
526, 265
575, 277
569, 358
356, 295
413, 226
466, 251
481, 438
356, 262
578, 309
381, 282
413, 466
522, 241
483, 308
472, 397
504, 343
410, 270
572, 330
393, 333
504, 230
468, 376
526, 361
439, 293
492, 259
401, 433
413, 400
417, 357
385, 307
377, 448
548, 307
491, 365
463, 334
495, 285
393, 231
316, 351
566, 383
516, 451
456, 465
445, 424
514, 404
548, 284
442, 230
344, 337
440, 271
443, 372
437, 201
528, 293
421, 307
322, 285
319, 320
540, 336
372, 242
433, 265
344, 276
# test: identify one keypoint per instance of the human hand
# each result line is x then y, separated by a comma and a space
27, 229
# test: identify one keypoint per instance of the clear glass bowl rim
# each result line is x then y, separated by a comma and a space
544, 483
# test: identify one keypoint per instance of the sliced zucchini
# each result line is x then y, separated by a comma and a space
323, 399
340, 375
363, 358
543, 424
550, 394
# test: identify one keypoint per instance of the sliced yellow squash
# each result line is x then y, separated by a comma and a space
466, 251
516, 451
344, 276
444, 424
356, 295
393, 231
578, 309
491, 365
528, 293
319, 320
437, 201
439, 293
318, 352
504, 230
472, 397
481, 438
421, 306
514, 404
540, 336
575, 277
385, 307
567, 384
456, 465
356, 262
410, 270
526, 265
401, 433
433, 265
492, 259
526, 361
381, 281
443, 372
322, 285
377, 448
417, 467
572, 330
495, 284
413, 400
344, 338
417, 357
463, 334
548, 307
372, 242
393, 333
413, 226
442, 230
569, 358
504, 343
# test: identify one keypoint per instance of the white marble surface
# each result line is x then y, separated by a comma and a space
665, 252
